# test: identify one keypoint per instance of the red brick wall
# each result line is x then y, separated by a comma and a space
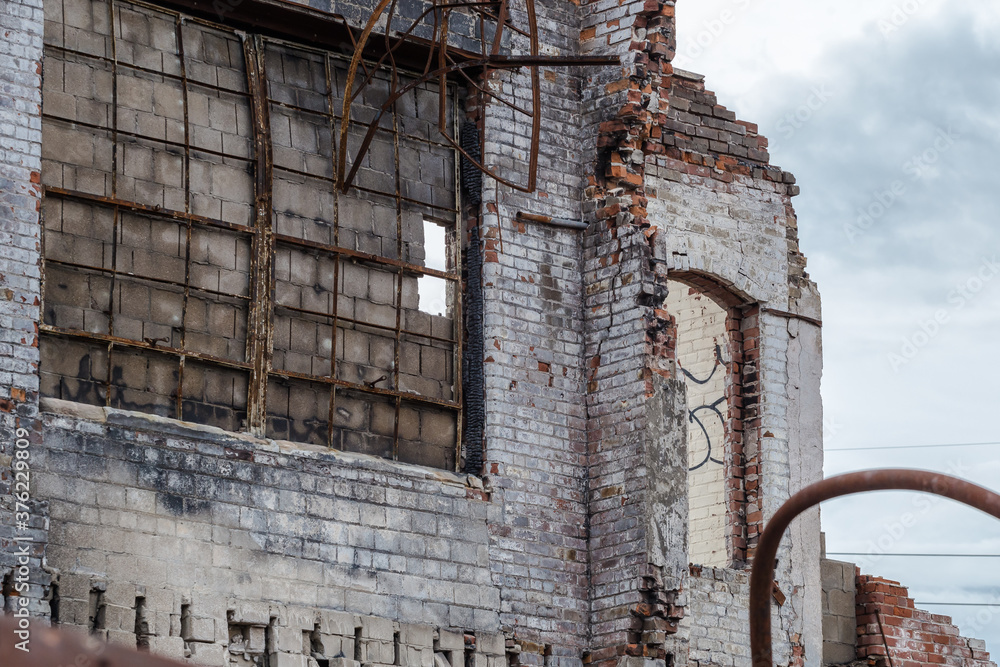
892, 632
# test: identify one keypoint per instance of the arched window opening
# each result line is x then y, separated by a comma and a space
709, 359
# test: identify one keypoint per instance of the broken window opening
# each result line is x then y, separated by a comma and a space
433, 292
200, 263
706, 352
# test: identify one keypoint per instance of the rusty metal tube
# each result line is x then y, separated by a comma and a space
549, 220
762, 575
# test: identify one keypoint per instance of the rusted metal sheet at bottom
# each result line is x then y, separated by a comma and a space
762, 576
49, 647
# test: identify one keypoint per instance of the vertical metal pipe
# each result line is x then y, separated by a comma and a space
187, 210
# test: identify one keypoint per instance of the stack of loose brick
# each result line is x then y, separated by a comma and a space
891, 631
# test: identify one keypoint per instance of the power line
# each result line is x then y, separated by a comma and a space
958, 604
941, 446
871, 555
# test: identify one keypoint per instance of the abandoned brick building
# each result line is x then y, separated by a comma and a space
296, 383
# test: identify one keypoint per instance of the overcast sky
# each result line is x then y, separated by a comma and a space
888, 113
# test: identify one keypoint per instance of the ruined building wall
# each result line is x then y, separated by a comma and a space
703, 359
570, 544
891, 630
681, 188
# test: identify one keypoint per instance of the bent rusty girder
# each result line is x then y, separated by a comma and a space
439, 64
762, 575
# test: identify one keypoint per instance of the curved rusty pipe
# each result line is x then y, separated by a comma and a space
762, 575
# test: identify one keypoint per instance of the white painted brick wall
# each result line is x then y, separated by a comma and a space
701, 329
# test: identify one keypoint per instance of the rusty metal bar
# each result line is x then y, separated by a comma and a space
359, 188
143, 208
182, 58
364, 257
114, 195
792, 316
260, 333
137, 276
762, 575
142, 345
445, 66
145, 70
549, 220
389, 393
458, 319
143, 137
398, 296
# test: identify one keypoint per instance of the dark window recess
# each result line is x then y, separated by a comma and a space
200, 263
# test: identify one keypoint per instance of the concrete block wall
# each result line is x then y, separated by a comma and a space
180, 511
840, 622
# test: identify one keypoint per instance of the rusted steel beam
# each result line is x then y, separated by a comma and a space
549, 220
139, 276
144, 209
118, 341
146, 70
145, 137
446, 65
762, 575
49, 647
368, 389
364, 257
260, 333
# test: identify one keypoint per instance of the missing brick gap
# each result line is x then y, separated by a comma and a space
269, 642
357, 644
9, 599
186, 628
97, 609
470, 651
141, 624
397, 649
53, 598
316, 648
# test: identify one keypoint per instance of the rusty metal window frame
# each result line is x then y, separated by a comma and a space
260, 300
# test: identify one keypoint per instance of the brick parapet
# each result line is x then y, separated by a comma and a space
892, 631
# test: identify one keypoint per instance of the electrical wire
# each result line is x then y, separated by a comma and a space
958, 604
871, 555
888, 447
